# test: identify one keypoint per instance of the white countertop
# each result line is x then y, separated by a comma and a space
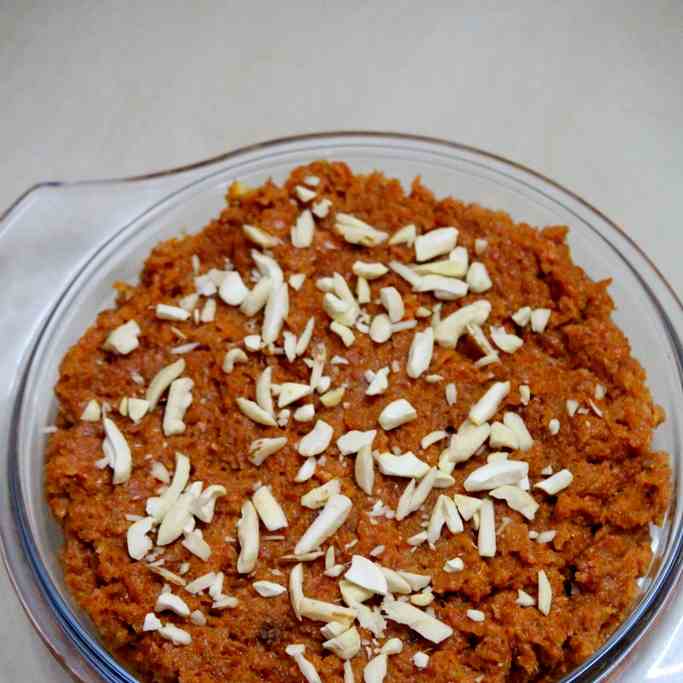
587, 93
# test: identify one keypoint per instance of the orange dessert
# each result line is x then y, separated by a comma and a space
352, 433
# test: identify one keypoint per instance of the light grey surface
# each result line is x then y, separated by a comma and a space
587, 93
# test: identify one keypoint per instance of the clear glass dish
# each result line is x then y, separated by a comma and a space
63, 245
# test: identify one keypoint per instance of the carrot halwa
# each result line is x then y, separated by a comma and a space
351, 433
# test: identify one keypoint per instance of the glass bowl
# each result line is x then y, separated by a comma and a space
63, 245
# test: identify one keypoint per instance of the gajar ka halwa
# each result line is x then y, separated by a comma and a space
348, 432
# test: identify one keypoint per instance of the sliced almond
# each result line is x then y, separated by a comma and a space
524, 394
333, 398
208, 313
269, 510
117, 452
486, 542
364, 470
434, 243
305, 413
277, 309
367, 574
445, 288
516, 424
317, 440
162, 380
451, 515
318, 497
420, 354
363, 293
403, 509
176, 635
503, 437
404, 235
205, 505
454, 565
476, 615
232, 290
379, 382
290, 392
333, 515
396, 414
449, 330
195, 543
342, 311
248, 536
318, 610
539, 319
380, 329
137, 409
257, 298
487, 406
352, 594
166, 312
478, 278
522, 316
425, 624
422, 491
408, 274
465, 443
417, 539
432, 438
353, 441
369, 271
159, 507
467, 506
356, 231
375, 670
303, 230
417, 582
545, 593
517, 500
343, 332
495, 474
395, 582
289, 345
345, 645
254, 412
296, 280
123, 339
305, 337
405, 465
268, 589
524, 599
91, 412
558, 482
393, 303
260, 237
322, 208
233, 357
260, 449
304, 194
151, 622
179, 400
296, 588
505, 341
306, 471
447, 268
308, 671
139, 544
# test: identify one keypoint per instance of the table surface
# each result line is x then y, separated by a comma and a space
587, 93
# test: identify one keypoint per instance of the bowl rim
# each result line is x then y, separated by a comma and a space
599, 664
